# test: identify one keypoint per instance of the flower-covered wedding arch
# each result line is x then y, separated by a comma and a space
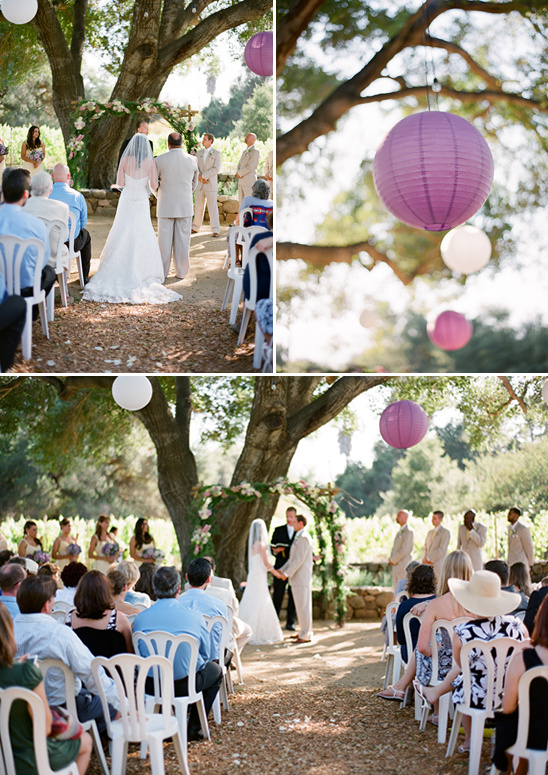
87, 113
329, 522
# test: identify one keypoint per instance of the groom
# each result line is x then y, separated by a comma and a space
298, 569
177, 179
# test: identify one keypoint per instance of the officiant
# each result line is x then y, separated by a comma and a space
280, 544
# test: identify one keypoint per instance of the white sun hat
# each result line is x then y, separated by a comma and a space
482, 595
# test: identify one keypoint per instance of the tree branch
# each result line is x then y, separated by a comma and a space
513, 395
474, 66
68, 387
291, 27
78, 37
464, 96
348, 94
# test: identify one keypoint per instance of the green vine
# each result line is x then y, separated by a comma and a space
328, 518
88, 112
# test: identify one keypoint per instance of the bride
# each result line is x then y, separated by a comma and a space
131, 268
257, 608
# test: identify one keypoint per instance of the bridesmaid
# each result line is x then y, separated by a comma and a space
98, 540
59, 548
3, 539
33, 143
141, 540
30, 543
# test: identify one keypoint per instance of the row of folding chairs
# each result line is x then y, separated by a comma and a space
12, 250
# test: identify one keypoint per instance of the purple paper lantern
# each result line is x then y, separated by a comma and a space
403, 424
258, 53
433, 170
450, 330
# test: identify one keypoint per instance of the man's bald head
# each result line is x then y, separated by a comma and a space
250, 138
61, 173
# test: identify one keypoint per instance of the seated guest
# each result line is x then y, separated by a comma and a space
5, 556
520, 581
537, 596
61, 753
50, 568
132, 575
11, 577
14, 220
507, 722
104, 630
40, 205
223, 589
199, 576
144, 583
13, 313
168, 615
263, 242
38, 633
70, 576
422, 587
259, 202
503, 572
62, 192
118, 589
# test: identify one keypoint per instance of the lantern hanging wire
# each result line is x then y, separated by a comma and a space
427, 39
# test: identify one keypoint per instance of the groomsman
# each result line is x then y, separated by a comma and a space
247, 167
177, 179
402, 548
209, 162
520, 543
436, 544
283, 536
471, 538
298, 569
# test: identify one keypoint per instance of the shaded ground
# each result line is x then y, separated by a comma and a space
311, 709
188, 336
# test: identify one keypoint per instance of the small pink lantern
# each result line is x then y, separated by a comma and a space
433, 170
450, 330
258, 53
403, 424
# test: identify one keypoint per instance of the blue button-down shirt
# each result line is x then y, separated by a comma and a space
42, 635
11, 603
62, 192
197, 600
13, 220
168, 616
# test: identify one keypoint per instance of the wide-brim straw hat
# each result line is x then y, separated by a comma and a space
482, 595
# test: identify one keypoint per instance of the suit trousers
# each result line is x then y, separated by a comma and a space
82, 243
278, 598
244, 190
302, 596
174, 236
199, 209
13, 313
46, 284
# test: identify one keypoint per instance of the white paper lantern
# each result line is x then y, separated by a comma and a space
466, 249
545, 392
19, 11
132, 391
369, 319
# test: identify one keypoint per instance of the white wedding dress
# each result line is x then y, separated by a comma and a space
131, 269
257, 608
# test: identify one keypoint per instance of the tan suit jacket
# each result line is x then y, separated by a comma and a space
247, 166
269, 167
520, 545
471, 541
402, 551
298, 568
435, 548
177, 179
52, 210
209, 166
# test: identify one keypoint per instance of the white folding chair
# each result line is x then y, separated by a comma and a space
165, 644
59, 615
536, 759
222, 696
62, 605
392, 650
407, 619
38, 712
239, 239
61, 258
495, 674
45, 666
138, 724
249, 304
75, 253
235, 273
10, 266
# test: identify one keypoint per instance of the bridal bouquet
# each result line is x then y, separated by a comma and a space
111, 549
36, 155
73, 549
41, 557
153, 554
4, 149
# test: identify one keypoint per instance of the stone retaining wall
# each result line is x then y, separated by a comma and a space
104, 202
361, 603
